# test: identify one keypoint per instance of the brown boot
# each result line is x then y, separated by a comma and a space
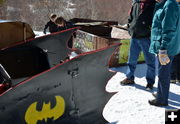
127, 81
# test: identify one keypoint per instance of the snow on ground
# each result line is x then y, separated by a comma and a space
130, 103
40, 33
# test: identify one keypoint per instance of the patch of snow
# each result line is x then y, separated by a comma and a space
130, 103
40, 33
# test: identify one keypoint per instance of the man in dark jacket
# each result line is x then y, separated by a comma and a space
62, 24
139, 27
51, 24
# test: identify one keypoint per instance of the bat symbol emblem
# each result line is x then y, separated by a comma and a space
32, 116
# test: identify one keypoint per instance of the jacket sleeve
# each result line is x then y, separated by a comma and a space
130, 18
169, 24
46, 26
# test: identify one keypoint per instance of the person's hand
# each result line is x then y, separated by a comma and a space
163, 57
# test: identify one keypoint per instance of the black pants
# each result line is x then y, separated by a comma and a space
175, 70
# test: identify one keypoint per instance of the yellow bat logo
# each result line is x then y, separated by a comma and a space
32, 115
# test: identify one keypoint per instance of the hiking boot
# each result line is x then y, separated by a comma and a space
156, 103
149, 86
127, 81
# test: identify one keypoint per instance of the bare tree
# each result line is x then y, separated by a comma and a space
36, 12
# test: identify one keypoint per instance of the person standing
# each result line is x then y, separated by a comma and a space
139, 27
51, 24
165, 44
175, 72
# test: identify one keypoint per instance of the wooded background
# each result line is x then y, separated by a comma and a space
36, 12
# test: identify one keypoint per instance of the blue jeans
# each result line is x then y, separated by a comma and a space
164, 82
136, 46
175, 68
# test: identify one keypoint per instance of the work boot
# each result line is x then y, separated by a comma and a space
127, 81
156, 103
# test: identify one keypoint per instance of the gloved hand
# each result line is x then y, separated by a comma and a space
163, 57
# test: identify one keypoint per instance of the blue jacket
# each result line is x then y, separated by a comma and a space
165, 28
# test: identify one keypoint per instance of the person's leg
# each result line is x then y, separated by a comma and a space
173, 70
149, 59
178, 69
163, 83
134, 52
